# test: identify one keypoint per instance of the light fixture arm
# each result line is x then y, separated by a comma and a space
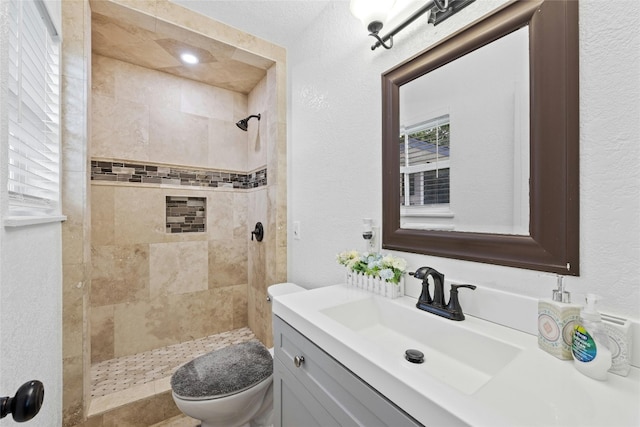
440, 10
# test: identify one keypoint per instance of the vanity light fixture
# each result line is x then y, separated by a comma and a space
373, 13
189, 58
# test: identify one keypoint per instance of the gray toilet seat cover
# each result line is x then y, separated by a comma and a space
223, 372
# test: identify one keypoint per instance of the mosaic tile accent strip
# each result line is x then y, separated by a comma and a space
186, 214
112, 376
121, 171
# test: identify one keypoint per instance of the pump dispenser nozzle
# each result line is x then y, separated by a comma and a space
560, 294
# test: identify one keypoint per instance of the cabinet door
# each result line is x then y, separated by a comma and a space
345, 397
294, 406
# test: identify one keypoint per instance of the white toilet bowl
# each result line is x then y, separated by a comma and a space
252, 407
230, 387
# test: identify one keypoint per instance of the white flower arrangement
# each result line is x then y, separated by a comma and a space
386, 267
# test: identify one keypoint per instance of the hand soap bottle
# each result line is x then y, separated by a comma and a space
591, 349
556, 320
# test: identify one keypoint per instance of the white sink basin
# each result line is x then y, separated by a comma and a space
453, 354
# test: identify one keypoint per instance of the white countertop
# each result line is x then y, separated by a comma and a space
533, 389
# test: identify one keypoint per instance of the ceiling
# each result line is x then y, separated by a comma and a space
125, 35
277, 21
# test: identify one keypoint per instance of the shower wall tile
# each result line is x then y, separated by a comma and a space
170, 319
103, 79
257, 132
120, 274
178, 268
219, 215
102, 333
240, 224
102, 215
73, 293
207, 101
178, 138
222, 135
129, 138
227, 262
240, 309
186, 123
139, 215
140, 85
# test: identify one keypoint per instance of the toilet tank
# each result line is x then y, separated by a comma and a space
283, 289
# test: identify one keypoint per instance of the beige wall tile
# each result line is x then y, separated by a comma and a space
220, 215
178, 268
144, 412
129, 139
132, 12
73, 310
258, 138
139, 215
240, 309
72, 390
103, 78
139, 84
178, 138
120, 274
240, 224
206, 101
170, 319
227, 262
102, 333
228, 145
102, 215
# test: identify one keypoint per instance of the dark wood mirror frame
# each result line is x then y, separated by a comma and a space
553, 241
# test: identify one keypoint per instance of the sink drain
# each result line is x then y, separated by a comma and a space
414, 356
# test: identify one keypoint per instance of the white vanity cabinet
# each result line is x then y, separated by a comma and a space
313, 389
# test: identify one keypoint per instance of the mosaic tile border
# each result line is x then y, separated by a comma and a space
126, 172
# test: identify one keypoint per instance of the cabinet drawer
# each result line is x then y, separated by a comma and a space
349, 400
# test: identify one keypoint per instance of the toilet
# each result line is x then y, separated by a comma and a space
230, 387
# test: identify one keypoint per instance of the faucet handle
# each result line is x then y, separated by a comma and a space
454, 305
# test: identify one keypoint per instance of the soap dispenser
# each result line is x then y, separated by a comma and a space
591, 347
557, 318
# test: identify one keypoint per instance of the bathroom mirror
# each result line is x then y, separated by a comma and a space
540, 132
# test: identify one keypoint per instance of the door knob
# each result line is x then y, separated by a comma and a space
25, 404
298, 361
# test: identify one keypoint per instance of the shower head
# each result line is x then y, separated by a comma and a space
243, 124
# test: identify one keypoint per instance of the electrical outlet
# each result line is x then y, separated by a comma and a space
296, 230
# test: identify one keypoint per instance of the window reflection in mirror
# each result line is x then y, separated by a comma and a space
425, 172
484, 185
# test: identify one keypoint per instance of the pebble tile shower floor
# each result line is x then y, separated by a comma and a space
112, 376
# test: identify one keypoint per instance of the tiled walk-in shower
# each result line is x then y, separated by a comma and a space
124, 379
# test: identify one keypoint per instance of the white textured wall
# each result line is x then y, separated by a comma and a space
31, 315
335, 151
30, 292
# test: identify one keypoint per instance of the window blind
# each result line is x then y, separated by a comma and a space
424, 163
33, 110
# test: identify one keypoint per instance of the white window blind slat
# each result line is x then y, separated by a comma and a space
34, 117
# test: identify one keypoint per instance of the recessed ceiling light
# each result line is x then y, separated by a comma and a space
189, 58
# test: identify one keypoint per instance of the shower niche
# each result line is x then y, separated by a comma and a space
186, 214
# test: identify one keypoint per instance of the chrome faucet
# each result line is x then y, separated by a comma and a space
436, 305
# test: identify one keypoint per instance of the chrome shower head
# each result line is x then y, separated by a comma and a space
244, 123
